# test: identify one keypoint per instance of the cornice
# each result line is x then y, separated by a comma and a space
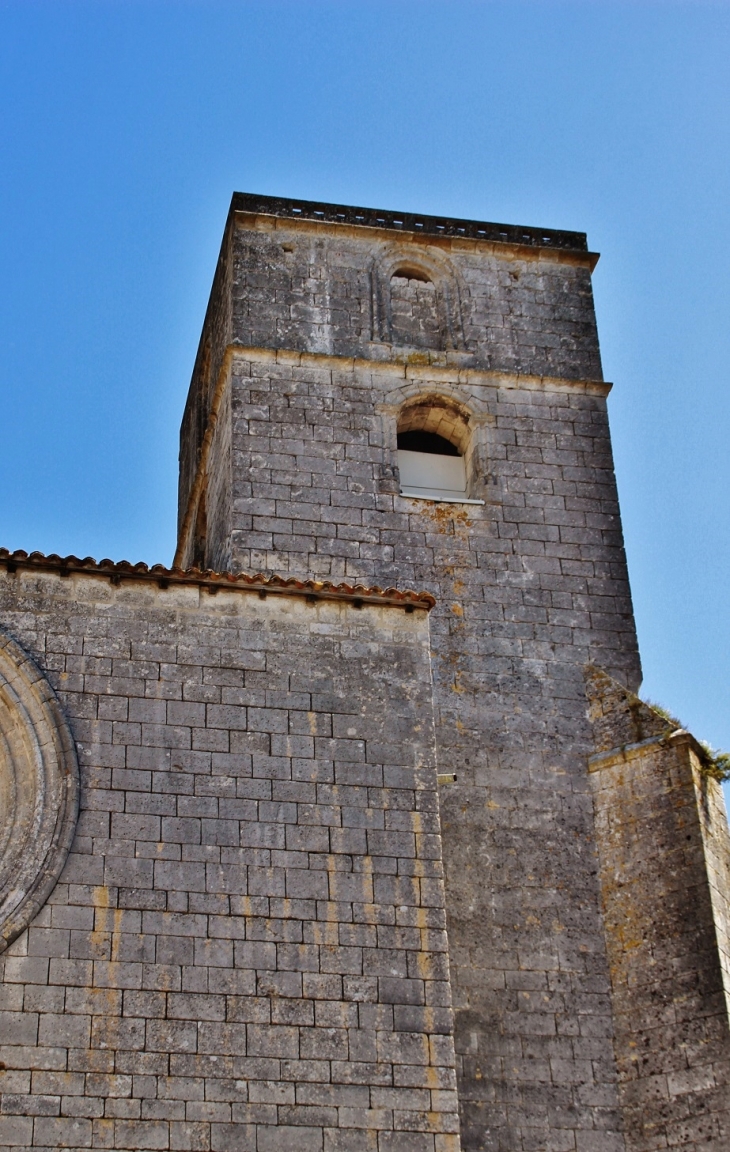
420, 367
412, 224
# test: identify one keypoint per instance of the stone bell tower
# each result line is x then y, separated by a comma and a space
348, 832
418, 401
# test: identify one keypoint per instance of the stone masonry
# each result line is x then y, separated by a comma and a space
249, 935
246, 949
530, 586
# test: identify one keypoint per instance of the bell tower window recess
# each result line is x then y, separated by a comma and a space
431, 466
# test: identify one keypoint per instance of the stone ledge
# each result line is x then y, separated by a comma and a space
437, 367
412, 222
630, 751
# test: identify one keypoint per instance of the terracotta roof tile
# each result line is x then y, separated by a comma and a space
117, 571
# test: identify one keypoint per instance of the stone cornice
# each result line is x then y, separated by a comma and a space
420, 367
412, 224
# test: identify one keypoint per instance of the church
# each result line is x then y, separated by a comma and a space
348, 831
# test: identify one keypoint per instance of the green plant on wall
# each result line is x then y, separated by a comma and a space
716, 763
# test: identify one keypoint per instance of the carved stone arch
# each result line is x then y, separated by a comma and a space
39, 790
470, 429
417, 389
434, 412
422, 263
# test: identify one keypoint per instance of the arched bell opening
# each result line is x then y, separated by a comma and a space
433, 442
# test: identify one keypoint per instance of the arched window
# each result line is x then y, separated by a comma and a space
431, 442
415, 310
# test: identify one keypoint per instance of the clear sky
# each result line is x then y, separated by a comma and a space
125, 127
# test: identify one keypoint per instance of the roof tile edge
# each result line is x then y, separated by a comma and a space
116, 571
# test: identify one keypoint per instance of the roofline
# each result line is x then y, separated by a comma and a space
415, 222
313, 590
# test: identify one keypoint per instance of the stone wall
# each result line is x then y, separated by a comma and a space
217, 335
415, 307
309, 287
211, 544
530, 586
246, 948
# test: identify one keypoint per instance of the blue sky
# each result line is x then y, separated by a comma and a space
126, 126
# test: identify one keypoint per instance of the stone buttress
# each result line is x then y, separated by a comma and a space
664, 871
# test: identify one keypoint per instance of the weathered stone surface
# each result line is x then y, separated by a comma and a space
246, 948
38, 790
290, 283
617, 715
664, 854
531, 585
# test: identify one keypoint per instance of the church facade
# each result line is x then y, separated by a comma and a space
347, 832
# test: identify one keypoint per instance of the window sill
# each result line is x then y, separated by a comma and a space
437, 497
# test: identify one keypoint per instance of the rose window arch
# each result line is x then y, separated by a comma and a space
39, 784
